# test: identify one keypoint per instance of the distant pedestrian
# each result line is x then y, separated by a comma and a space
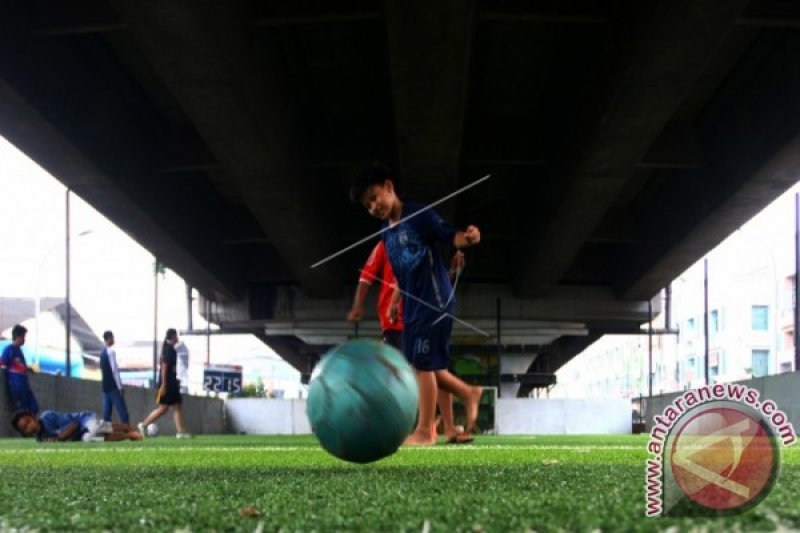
16, 369
113, 393
169, 392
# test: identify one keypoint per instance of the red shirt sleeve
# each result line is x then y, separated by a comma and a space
374, 265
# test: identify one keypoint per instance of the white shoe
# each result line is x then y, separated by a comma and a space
104, 427
183, 435
142, 429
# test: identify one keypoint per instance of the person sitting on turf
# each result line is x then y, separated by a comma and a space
54, 426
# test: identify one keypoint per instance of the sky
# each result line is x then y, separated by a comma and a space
111, 279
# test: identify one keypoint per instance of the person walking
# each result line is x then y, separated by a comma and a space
169, 389
113, 393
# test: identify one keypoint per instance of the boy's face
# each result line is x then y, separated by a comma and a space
28, 425
379, 199
19, 340
110, 341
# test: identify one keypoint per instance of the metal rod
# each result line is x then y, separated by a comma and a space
208, 332
498, 342
67, 303
189, 299
426, 304
155, 321
409, 217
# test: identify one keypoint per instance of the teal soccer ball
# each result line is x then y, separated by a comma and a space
362, 400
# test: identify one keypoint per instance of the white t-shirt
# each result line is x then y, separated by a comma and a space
182, 369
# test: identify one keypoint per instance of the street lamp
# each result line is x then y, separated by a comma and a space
38, 307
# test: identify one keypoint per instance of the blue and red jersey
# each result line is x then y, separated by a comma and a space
13, 361
417, 264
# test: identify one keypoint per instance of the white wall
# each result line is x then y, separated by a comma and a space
513, 416
261, 416
523, 416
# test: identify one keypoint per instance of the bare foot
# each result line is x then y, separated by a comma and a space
471, 403
135, 435
420, 438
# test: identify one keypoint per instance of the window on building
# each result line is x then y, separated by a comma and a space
786, 367
713, 371
760, 363
760, 317
714, 321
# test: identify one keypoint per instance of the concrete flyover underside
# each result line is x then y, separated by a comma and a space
625, 139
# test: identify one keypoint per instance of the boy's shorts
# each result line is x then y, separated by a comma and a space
394, 337
427, 346
94, 429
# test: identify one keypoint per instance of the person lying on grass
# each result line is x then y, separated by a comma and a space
54, 426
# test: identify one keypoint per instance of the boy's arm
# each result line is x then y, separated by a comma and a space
394, 304
163, 388
68, 432
456, 264
469, 237
368, 274
357, 311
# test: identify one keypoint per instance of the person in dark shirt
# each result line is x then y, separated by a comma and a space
169, 388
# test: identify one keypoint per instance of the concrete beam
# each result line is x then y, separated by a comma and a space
39, 126
429, 51
58, 18
752, 132
642, 277
246, 116
571, 311
678, 146
651, 63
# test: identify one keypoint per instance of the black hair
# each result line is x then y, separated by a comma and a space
107, 335
171, 332
15, 419
376, 174
18, 331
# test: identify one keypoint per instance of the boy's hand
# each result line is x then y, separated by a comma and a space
355, 314
472, 235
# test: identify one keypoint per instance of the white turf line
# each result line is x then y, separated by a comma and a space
438, 448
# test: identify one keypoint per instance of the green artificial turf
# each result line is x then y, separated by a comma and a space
290, 484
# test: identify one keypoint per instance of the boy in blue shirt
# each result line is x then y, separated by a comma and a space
420, 272
16, 369
54, 426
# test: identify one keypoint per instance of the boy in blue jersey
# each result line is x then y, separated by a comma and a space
421, 273
16, 369
54, 426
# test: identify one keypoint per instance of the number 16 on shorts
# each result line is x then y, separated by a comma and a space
422, 346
